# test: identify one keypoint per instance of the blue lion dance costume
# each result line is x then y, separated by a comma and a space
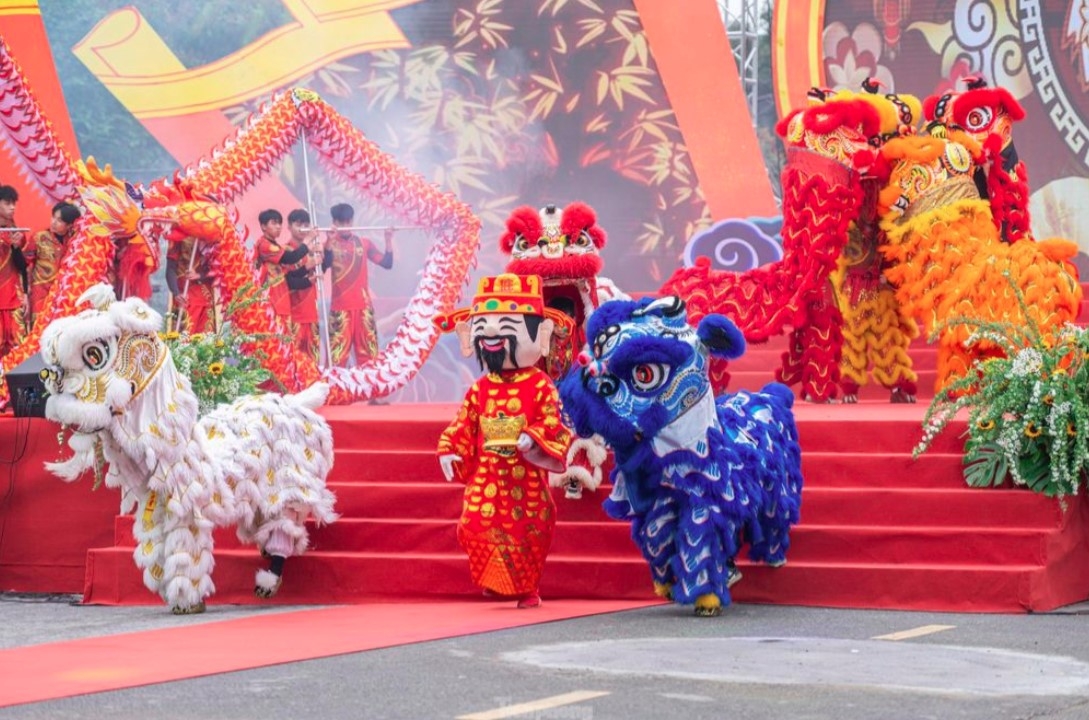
696, 476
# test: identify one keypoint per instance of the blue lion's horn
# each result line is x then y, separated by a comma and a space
669, 306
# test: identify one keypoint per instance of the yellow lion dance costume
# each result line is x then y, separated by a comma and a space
947, 258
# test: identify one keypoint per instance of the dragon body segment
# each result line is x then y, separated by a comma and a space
195, 204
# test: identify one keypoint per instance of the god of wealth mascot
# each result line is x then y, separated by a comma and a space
259, 463
563, 249
506, 437
695, 476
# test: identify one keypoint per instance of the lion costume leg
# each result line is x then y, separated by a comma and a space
188, 562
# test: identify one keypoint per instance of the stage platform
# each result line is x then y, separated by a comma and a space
878, 530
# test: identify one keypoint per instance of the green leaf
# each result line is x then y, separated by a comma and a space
985, 466
1035, 467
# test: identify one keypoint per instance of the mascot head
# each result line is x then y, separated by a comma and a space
508, 326
644, 368
554, 244
99, 360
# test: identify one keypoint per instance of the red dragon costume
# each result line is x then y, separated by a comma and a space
563, 249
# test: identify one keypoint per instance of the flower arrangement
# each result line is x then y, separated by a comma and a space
223, 365
1028, 412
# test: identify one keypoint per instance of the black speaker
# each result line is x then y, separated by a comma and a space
26, 389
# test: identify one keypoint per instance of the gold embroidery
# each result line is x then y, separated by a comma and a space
149, 510
501, 432
93, 390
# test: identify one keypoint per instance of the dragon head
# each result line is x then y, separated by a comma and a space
554, 244
644, 367
174, 210
114, 206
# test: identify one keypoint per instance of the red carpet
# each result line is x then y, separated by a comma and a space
113, 662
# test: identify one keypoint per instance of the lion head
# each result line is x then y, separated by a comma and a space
644, 367
554, 244
986, 114
100, 359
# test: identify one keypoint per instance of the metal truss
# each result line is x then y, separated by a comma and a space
742, 21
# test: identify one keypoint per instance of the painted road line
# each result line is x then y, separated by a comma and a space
534, 705
914, 632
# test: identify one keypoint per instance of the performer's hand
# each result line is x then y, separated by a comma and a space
525, 443
447, 464
179, 302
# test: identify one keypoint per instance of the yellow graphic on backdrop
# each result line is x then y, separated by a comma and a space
132, 60
19, 7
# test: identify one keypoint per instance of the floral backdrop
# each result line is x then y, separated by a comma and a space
534, 101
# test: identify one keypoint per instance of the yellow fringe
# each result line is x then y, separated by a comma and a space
950, 262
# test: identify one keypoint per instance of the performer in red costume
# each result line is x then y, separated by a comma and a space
12, 274
352, 318
44, 253
507, 436
302, 282
273, 259
191, 285
563, 249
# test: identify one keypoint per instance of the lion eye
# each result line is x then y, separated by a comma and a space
584, 239
649, 376
96, 354
521, 244
978, 118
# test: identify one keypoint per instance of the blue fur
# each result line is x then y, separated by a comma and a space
690, 507
721, 337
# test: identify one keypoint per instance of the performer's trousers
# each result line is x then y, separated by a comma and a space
352, 333
12, 329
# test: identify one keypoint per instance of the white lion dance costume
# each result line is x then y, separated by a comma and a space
259, 463
696, 476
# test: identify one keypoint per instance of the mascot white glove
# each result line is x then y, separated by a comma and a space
525, 443
447, 464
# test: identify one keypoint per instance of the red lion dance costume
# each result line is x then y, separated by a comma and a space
829, 151
563, 249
